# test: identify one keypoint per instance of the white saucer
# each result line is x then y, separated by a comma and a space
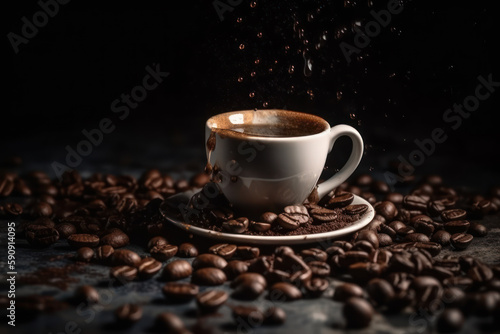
267, 240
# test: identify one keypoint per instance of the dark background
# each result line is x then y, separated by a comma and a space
429, 57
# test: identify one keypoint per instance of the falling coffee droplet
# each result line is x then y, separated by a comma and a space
265, 104
242, 46
252, 94
252, 74
339, 95
259, 34
307, 65
253, 4
257, 61
240, 79
352, 116
239, 20
291, 69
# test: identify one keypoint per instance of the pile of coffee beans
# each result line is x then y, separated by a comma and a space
391, 266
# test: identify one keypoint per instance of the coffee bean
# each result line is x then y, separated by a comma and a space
403, 232
454, 297
268, 217
457, 226
316, 286
461, 241
319, 269
248, 316
478, 230
169, 323
355, 209
284, 291
293, 217
415, 202
128, 314
182, 292
396, 198
187, 250
237, 226
210, 300
363, 180
322, 215
357, 312
163, 252
384, 240
347, 290
225, 251
12, 210
86, 294
260, 226
177, 270
209, 276
397, 225
235, 268
441, 237
362, 245
453, 214
427, 289
482, 207
83, 240
450, 321
84, 254
247, 252
380, 291
345, 245
351, 257
386, 209
386, 229
116, 239
221, 215
340, 201
148, 267
65, 230
41, 236
209, 260
274, 316
123, 273
248, 286
157, 241
369, 197
6, 185
41, 209
313, 254
413, 237
370, 236
103, 253
125, 257
480, 273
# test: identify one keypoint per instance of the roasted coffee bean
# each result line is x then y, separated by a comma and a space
454, 297
478, 230
461, 241
363, 180
268, 217
210, 300
435, 208
247, 252
322, 215
41, 236
41, 209
128, 314
453, 214
386, 209
441, 237
450, 321
238, 225
84, 254
400, 281
169, 323
482, 207
370, 236
6, 185
340, 201
163, 252
389, 230
362, 245
363, 271
357, 312
415, 202
333, 251
115, 239
284, 291
221, 215
125, 257
83, 240
13, 209
123, 273
319, 269
461, 282
380, 291
249, 316
397, 225
457, 226
65, 230
225, 251
384, 240
260, 226
235, 268
148, 267
187, 250
403, 232
369, 197
438, 272
274, 316
380, 256
427, 290
177, 270
248, 286
380, 187
355, 209
260, 265
413, 237
157, 241
424, 227
316, 286
351, 257
293, 217
209, 276
313, 254
396, 198
103, 253
345, 245
182, 292
448, 263
199, 180
480, 273
209, 260
347, 290
86, 294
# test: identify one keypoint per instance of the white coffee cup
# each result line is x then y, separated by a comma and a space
268, 159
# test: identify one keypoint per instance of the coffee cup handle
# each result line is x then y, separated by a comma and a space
351, 164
